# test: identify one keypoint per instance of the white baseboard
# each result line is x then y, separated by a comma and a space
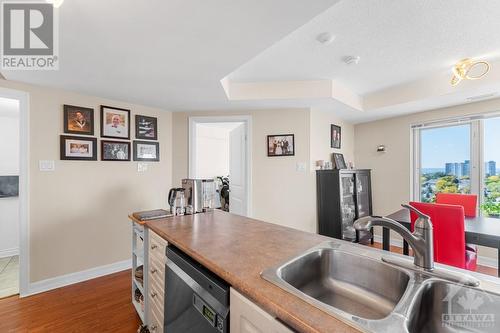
481, 260
9, 252
72, 278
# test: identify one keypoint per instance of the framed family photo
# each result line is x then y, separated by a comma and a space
146, 128
336, 136
78, 120
78, 148
146, 151
115, 151
115, 122
281, 145
338, 161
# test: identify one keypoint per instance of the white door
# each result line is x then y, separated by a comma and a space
237, 171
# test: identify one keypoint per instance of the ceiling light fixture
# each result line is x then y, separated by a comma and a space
56, 3
469, 69
350, 60
325, 38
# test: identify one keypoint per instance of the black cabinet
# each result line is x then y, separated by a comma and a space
342, 197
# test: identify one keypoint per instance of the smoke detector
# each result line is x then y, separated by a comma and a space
351, 60
325, 38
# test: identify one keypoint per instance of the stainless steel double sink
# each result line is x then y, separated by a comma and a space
352, 283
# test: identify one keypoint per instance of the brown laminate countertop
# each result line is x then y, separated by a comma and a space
238, 249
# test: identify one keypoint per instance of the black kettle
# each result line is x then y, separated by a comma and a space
171, 196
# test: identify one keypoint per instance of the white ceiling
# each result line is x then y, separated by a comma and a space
172, 54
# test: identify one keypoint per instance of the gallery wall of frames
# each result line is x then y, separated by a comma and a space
115, 132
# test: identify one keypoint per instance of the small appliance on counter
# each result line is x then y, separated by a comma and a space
195, 196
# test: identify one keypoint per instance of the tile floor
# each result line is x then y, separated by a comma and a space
9, 276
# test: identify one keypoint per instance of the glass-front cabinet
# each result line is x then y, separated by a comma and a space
342, 197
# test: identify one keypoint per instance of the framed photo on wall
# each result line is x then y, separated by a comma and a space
78, 120
115, 122
336, 136
338, 161
115, 150
146, 128
78, 148
281, 145
146, 151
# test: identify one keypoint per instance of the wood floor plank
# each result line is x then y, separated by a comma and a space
98, 305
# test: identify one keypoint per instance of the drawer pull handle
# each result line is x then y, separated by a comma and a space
154, 270
154, 246
153, 294
154, 327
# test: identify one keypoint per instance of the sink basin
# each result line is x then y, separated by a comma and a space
357, 285
445, 307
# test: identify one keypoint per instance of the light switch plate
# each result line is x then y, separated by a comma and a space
300, 167
47, 165
142, 167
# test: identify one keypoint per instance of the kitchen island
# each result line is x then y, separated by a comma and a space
238, 249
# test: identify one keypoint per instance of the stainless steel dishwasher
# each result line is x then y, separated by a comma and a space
196, 300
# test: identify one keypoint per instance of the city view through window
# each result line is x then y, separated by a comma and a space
445, 163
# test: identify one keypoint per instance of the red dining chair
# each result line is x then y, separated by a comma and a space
449, 234
468, 201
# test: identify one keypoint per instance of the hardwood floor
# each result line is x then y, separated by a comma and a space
98, 305
480, 269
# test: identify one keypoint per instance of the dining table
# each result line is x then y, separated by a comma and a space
479, 230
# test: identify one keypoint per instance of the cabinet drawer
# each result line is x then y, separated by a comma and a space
157, 276
156, 321
156, 294
158, 264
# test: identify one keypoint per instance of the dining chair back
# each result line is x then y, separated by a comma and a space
448, 223
468, 201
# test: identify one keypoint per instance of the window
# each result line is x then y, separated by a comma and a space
445, 161
458, 156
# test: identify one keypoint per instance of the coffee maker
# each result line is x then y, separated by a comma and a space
200, 194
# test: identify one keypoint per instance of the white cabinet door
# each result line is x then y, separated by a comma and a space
246, 317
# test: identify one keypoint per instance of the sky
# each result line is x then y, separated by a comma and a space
452, 144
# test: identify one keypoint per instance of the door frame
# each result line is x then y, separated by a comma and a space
247, 120
24, 245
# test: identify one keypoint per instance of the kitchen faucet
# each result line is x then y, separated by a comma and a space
421, 240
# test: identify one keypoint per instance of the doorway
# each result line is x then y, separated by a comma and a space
9, 196
220, 149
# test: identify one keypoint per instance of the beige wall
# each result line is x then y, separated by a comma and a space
321, 121
391, 170
280, 193
78, 214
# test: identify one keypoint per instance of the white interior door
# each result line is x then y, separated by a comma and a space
237, 171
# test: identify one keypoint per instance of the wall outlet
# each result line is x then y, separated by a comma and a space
47, 165
300, 167
142, 167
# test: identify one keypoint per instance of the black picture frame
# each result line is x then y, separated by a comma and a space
338, 161
74, 126
105, 154
119, 111
335, 136
137, 154
272, 149
140, 127
76, 156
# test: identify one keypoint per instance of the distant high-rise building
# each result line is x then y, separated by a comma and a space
465, 168
449, 168
491, 168
459, 169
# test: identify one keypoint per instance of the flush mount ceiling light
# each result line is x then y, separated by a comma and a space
325, 38
56, 3
469, 69
351, 60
